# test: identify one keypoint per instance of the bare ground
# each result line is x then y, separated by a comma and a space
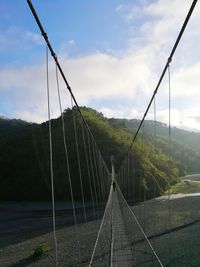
175, 237
21, 254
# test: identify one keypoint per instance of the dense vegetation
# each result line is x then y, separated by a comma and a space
24, 154
185, 145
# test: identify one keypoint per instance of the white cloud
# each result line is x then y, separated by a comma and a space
92, 77
128, 78
121, 112
67, 46
34, 37
163, 116
129, 12
164, 9
31, 116
102, 75
186, 81
15, 36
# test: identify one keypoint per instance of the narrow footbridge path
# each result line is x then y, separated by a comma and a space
121, 241
122, 252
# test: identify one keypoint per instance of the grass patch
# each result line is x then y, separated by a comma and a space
40, 250
184, 187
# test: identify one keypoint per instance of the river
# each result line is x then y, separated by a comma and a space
23, 220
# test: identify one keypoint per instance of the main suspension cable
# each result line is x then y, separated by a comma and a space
53, 54
165, 69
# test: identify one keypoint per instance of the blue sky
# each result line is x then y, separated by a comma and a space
112, 53
93, 25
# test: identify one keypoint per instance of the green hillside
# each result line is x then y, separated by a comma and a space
182, 137
24, 156
185, 145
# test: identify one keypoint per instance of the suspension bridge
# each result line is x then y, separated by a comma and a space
122, 226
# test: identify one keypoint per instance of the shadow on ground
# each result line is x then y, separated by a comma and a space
25, 262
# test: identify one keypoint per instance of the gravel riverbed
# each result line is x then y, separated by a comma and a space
176, 238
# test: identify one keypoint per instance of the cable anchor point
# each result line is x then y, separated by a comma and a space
169, 61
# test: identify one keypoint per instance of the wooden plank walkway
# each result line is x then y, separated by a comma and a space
121, 251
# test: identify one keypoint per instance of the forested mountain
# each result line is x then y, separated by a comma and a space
185, 145
24, 153
182, 137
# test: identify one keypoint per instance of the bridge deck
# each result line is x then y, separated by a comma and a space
122, 253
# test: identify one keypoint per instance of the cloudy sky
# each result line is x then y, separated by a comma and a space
112, 53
